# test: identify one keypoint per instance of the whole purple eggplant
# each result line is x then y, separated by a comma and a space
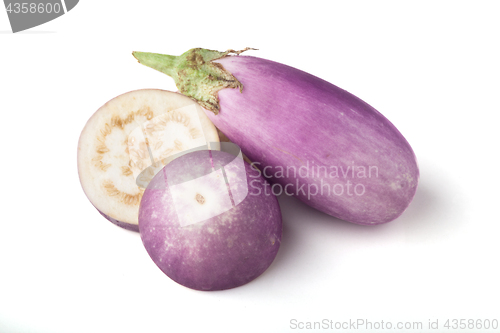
309, 137
204, 230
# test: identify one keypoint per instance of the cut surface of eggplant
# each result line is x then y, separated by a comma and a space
129, 139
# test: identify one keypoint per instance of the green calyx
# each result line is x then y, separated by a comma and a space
195, 74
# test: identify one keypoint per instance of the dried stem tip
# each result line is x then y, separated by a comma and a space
195, 74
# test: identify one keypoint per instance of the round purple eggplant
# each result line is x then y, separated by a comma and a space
205, 225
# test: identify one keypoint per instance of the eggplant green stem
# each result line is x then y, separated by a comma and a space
195, 74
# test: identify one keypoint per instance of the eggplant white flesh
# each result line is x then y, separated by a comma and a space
311, 138
128, 140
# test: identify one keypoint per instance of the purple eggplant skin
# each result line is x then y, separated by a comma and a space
124, 225
286, 118
311, 138
221, 252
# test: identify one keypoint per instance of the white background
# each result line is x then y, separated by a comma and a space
431, 67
